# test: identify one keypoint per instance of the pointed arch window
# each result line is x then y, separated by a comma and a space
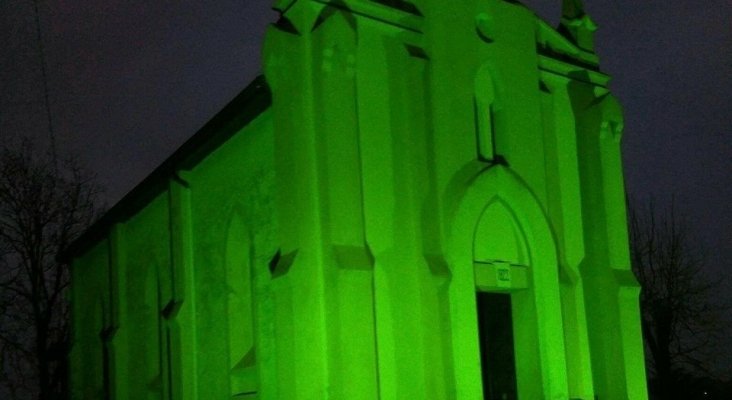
240, 311
151, 332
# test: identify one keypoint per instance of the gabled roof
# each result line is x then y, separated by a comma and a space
240, 111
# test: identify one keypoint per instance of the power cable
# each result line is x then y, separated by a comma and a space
44, 79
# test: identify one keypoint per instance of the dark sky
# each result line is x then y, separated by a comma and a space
131, 80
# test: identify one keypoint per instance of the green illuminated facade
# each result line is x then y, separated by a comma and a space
422, 200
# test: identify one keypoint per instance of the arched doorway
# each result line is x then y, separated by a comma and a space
504, 293
500, 263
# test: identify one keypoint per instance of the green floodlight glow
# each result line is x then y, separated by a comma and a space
424, 200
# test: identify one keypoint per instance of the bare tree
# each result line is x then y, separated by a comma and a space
45, 202
680, 318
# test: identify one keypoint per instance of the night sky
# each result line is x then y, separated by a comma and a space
131, 80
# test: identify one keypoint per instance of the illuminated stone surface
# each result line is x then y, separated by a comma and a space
327, 235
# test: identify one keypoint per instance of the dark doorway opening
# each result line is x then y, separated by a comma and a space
495, 327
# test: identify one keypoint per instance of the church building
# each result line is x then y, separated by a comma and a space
418, 200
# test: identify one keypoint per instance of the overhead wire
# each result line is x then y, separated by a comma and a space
44, 82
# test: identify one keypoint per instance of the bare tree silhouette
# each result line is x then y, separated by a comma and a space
680, 318
45, 202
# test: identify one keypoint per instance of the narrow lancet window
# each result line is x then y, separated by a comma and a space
240, 312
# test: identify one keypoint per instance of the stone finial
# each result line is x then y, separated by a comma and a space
572, 8
577, 25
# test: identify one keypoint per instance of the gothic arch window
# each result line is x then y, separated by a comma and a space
498, 238
240, 311
490, 121
151, 332
103, 324
484, 113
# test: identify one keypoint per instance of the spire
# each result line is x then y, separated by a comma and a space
572, 8
577, 25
